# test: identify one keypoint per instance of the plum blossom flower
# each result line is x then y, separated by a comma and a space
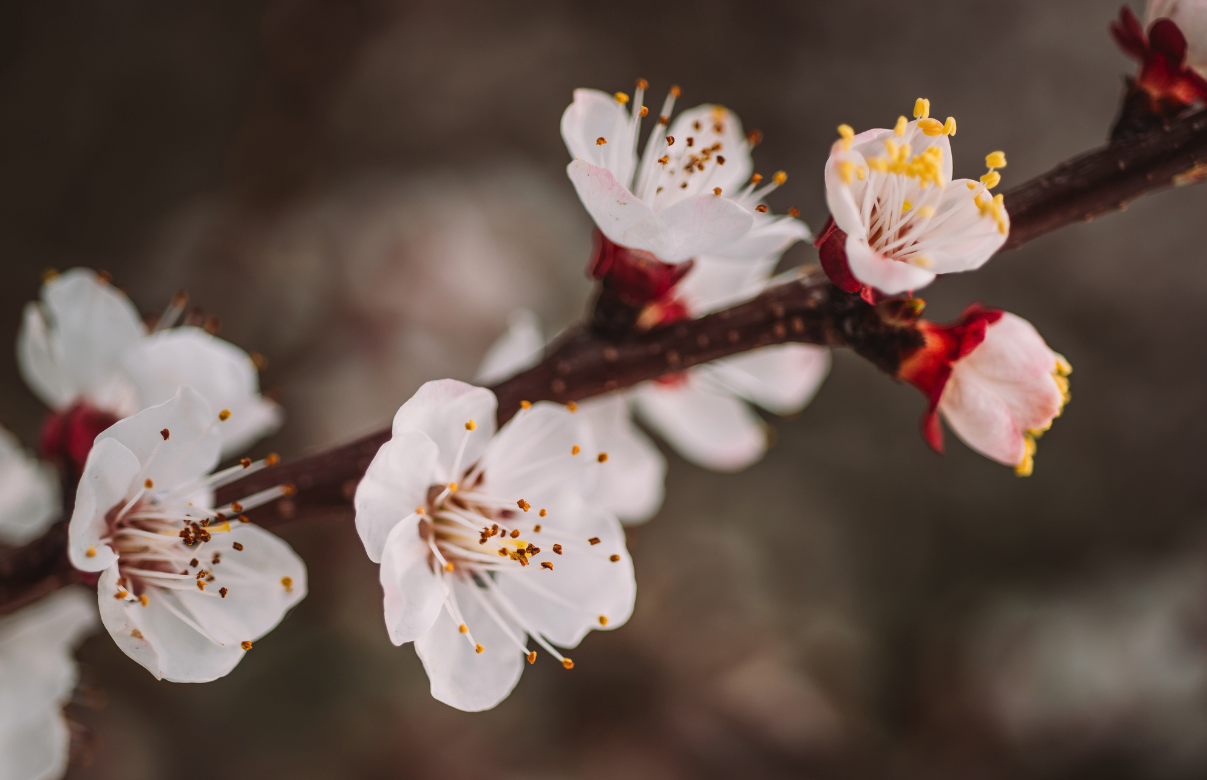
37, 675
84, 350
690, 193
898, 218
488, 538
993, 379
1190, 16
29, 493
632, 486
184, 588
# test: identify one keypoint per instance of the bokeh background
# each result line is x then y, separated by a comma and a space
362, 191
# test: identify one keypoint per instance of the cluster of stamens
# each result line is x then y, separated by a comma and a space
1061, 377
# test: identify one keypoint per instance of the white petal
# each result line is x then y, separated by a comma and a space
414, 594
394, 486
189, 452
37, 675
109, 474
518, 349
708, 427
461, 677
964, 238
91, 324
700, 125
41, 361
609, 202
701, 224
29, 493
891, 277
630, 484
441, 409
221, 372
767, 236
594, 115
532, 458
584, 585
781, 379
716, 283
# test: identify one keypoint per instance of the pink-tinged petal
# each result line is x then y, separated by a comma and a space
565, 603
90, 324
594, 115
29, 493
190, 450
441, 409
631, 482
614, 208
1002, 390
107, 482
768, 236
518, 349
781, 379
708, 427
701, 224
891, 277
959, 237
395, 485
461, 677
414, 594
221, 372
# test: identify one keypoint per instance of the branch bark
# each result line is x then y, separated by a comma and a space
806, 310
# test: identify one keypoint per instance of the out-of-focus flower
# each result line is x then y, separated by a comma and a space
37, 675
1190, 16
184, 588
501, 542
690, 193
898, 218
84, 350
631, 487
1169, 54
993, 379
29, 493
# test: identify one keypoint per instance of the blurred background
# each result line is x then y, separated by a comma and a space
362, 191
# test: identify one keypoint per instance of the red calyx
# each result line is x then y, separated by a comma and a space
832, 247
637, 276
930, 367
67, 436
1164, 86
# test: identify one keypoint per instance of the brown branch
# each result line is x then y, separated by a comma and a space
807, 310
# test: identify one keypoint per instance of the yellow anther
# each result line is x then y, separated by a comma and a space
902, 123
448, 566
1063, 366
930, 127
452, 487
573, 407
224, 415
861, 173
602, 457
971, 186
1027, 464
143, 600
995, 160
478, 649
621, 98
921, 261
245, 644
949, 127
921, 108
906, 205
287, 584
847, 133
566, 662
846, 171
148, 484
575, 449
878, 164
91, 551
471, 425
603, 620
600, 141
995, 208
532, 657
464, 629
522, 504
926, 211
890, 148
780, 177
525, 404
991, 179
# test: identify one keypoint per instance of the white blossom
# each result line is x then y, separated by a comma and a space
85, 343
487, 539
184, 588
29, 493
37, 676
906, 221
